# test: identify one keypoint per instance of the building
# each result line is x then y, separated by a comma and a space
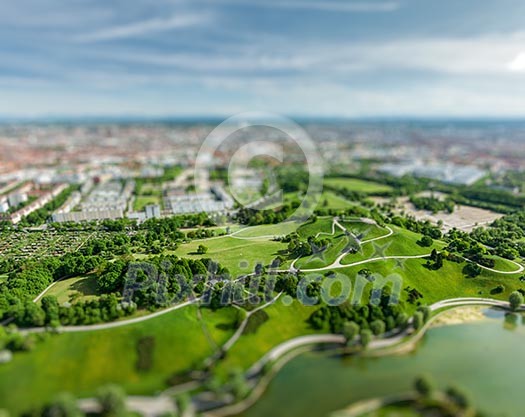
15, 199
152, 211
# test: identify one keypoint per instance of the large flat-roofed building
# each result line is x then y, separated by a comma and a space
152, 211
85, 216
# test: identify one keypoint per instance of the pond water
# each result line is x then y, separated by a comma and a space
486, 359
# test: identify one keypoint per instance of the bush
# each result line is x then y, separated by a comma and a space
366, 337
515, 300
350, 330
423, 386
378, 327
112, 401
418, 320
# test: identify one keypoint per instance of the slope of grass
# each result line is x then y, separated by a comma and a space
353, 184
238, 255
143, 200
84, 286
81, 362
280, 229
284, 323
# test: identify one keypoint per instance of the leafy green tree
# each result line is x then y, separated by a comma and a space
65, 405
238, 384
201, 249
402, 320
378, 327
472, 270
366, 337
424, 386
51, 309
350, 330
425, 241
112, 401
418, 320
425, 310
515, 300
457, 396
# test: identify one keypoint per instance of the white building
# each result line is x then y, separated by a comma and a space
152, 211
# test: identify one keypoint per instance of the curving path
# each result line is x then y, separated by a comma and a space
111, 325
518, 271
337, 263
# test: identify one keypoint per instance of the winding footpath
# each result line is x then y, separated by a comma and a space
335, 265
401, 342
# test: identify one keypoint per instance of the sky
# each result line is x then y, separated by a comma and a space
312, 58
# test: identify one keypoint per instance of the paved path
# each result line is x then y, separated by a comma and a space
289, 345
228, 345
111, 325
337, 263
518, 271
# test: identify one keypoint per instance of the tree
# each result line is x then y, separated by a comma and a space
425, 310
350, 330
425, 241
378, 327
51, 308
366, 337
402, 320
238, 384
201, 250
418, 320
112, 401
472, 270
515, 300
458, 397
423, 386
65, 405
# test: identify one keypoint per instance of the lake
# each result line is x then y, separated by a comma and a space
486, 359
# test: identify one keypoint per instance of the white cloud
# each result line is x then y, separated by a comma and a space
178, 21
518, 63
487, 55
339, 6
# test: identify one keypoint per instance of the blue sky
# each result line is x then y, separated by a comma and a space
334, 58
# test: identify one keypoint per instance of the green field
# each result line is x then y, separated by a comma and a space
333, 201
80, 362
447, 282
353, 184
269, 230
238, 255
284, 323
80, 288
142, 201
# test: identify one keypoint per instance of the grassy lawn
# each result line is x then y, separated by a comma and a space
238, 255
284, 323
84, 286
333, 201
401, 243
363, 230
447, 282
354, 184
504, 264
280, 229
81, 362
142, 201
322, 225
